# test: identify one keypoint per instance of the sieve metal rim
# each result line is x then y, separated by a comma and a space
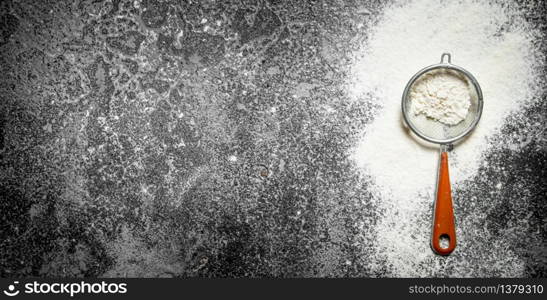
443, 65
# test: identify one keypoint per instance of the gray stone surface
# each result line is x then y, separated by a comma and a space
171, 138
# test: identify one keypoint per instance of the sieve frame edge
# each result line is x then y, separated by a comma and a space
479, 104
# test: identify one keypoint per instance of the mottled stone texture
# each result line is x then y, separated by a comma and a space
170, 138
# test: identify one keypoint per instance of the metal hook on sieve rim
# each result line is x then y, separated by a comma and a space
449, 60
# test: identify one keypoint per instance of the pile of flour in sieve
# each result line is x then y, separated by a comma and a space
492, 41
441, 95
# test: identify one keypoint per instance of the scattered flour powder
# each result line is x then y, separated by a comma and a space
441, 95
494, 43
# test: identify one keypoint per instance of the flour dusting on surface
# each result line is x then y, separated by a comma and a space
494, 43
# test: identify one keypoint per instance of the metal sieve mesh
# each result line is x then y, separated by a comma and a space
433, 130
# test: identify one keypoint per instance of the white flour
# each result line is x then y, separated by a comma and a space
496, 45
441, 95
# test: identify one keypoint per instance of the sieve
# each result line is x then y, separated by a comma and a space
443, 238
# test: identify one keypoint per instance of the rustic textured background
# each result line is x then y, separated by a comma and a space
170, 138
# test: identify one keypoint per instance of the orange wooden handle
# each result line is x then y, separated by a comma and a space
443, 223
